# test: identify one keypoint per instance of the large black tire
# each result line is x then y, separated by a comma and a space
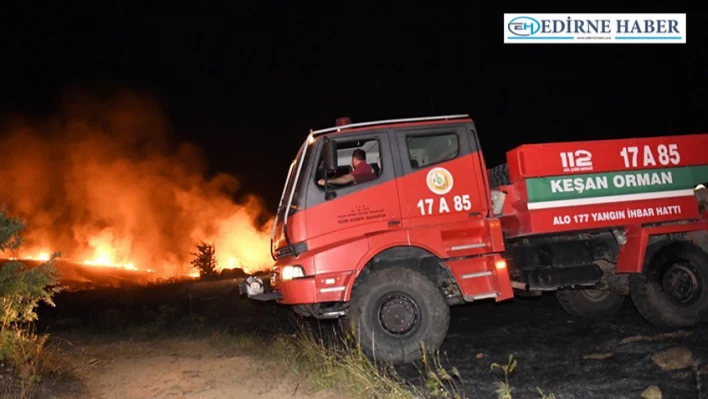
590, 304
672, 291
393, 310
499, 175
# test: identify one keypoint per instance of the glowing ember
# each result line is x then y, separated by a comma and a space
230, 264
128, 266
43, 256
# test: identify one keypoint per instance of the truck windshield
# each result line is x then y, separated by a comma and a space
290, 198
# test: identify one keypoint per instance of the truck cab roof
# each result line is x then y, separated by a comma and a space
383, 124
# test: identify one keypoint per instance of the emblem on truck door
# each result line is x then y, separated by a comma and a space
439, 181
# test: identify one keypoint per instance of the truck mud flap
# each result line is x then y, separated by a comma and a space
553, 278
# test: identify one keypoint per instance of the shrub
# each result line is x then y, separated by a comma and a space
205, 260
21, 290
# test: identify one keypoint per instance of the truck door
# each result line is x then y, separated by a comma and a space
441, 176
356, 209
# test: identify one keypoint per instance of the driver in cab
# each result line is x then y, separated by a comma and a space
362, 172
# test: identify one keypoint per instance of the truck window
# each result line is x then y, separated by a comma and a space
298, 196
345, 152
426, 150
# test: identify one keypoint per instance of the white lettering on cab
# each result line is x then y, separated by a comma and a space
460, 203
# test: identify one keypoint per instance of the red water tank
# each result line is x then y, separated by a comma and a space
343, 121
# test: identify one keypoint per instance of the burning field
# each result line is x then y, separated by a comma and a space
104, 184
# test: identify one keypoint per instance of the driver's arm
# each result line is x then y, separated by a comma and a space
344, 179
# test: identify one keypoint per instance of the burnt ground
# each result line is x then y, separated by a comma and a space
609, 358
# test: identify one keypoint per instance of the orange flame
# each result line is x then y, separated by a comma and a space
103, 183
105, 254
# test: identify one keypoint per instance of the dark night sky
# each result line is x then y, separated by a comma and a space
248, 84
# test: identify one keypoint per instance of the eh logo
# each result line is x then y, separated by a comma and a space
524, 26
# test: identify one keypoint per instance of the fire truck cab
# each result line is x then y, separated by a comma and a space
436, 228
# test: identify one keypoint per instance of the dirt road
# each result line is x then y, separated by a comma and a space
177, 368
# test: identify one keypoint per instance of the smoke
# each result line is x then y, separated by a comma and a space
103, 181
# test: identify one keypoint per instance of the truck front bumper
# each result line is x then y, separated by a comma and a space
291, 292
254, 288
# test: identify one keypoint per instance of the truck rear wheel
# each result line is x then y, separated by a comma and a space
393, 310
499, 175
672, 292
589, 303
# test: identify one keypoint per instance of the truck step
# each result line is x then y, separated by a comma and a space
476, 277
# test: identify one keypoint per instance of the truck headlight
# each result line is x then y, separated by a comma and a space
291, 272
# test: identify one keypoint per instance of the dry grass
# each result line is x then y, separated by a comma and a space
340, 366
31, 366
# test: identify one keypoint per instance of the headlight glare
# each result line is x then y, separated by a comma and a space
291, 272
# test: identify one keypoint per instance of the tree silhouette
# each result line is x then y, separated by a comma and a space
205, 260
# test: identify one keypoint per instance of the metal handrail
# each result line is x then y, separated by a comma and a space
389, 121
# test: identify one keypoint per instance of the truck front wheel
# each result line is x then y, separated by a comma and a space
588, 303
672, 291
393, 310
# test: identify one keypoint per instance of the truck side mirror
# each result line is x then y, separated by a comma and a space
329, 160
329, 155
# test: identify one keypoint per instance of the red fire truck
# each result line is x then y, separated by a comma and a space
594, 221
